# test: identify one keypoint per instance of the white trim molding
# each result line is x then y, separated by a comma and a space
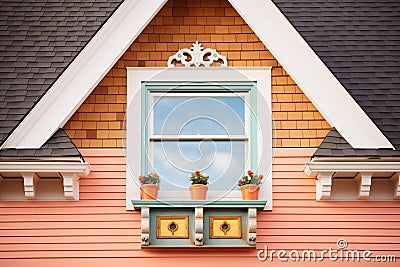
363, 173
70, 173
82, 169
314, 168
80, 78
310, 73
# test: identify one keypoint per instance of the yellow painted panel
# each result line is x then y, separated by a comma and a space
225, 227
172, 226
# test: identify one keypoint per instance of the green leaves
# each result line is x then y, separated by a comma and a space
151, 178
198, 178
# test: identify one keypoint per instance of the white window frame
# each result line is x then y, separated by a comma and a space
135, 106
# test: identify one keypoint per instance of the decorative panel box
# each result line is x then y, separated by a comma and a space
221, 223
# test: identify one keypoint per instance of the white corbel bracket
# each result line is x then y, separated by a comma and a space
396, 184
324, 185
252, 227
364, 182
30, 181
198, 212
71, 185
145, 226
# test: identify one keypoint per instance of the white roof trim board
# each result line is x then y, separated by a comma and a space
268, 23
313, 168
82, 168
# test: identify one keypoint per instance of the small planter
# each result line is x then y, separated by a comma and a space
149, 191
250, 191
198, 191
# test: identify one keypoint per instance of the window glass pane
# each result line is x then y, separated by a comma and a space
223, 161
199, 115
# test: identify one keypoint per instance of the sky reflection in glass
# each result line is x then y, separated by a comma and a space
199, 115
223, 161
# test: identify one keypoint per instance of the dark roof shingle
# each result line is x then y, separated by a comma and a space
334, 145
59, 145
359, 41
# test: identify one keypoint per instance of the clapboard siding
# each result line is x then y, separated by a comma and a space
98, 231
298, 222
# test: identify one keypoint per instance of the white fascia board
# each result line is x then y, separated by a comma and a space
313, 168
85, 72
82, 169
310, 73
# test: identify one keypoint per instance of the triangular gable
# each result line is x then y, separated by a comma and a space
314, 78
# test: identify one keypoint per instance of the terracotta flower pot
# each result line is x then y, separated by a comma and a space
198, 191
149, 191
250, 191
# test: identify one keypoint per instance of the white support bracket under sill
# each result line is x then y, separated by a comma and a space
199, 229
252, 226
145, 226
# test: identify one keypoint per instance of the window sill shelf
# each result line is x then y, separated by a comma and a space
259, 204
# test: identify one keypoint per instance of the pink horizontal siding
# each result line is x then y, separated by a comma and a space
98, 231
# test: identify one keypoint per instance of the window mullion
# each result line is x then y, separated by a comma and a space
198, 137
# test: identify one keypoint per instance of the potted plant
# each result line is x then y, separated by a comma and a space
149, 185
199, 188
250, 185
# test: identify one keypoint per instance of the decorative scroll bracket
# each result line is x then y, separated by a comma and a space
199, 56
252, 227
198, 226
145, 226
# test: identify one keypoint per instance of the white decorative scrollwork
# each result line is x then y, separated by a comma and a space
199, 56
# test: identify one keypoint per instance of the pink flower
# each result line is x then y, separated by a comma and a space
260, 176
141, 178
250, 173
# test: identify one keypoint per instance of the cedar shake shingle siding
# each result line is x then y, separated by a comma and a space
99, 122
